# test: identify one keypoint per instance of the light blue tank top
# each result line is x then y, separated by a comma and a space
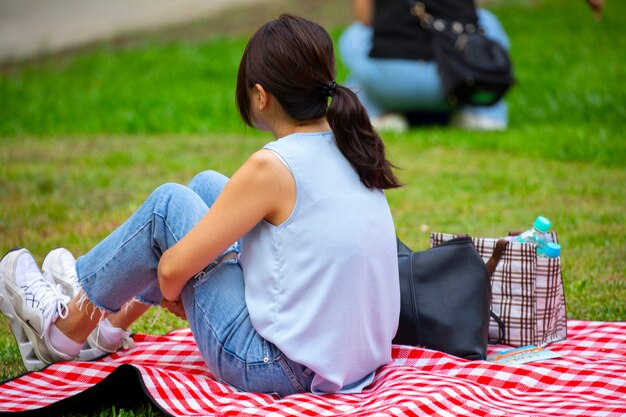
323, 286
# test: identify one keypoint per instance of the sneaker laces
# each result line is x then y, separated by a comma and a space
66, 298
46, 297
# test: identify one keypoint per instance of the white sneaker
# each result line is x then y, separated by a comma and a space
30, 360
36, 304
390, 122
472, 121
59, 267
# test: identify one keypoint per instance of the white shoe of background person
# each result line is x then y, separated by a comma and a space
59, 267
472, 121
36, 304
390, 122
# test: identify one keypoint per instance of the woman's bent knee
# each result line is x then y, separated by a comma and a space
168, 189
208, 177
208, 185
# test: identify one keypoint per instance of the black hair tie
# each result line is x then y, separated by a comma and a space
329, 89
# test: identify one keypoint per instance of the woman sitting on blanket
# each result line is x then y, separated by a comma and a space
287, 272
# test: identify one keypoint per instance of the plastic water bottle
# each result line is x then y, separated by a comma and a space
552, 250
537, 234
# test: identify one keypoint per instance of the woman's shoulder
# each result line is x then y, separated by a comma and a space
261, 161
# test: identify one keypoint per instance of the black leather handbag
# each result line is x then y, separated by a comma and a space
445, 299
473, 68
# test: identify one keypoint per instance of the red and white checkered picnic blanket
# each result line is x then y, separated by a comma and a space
589, 379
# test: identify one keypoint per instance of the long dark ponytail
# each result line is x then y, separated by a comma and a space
358, 141
293, 59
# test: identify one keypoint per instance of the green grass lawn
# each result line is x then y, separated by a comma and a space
84, 139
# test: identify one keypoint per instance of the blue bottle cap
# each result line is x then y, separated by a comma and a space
542, 224
552, 250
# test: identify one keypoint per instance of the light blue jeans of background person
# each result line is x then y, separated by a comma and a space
401, 85
124, 266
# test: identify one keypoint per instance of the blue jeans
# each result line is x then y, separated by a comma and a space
402, 85
124, 266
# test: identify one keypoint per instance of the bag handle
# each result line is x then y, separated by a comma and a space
500, 324
498, 251
492, 263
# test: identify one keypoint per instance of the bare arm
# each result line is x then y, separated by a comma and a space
255, 192
363, 11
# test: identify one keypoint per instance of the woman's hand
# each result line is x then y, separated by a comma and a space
175, 307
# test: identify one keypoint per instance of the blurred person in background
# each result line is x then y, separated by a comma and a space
392, 67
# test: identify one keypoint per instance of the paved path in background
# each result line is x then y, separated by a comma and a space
31, 27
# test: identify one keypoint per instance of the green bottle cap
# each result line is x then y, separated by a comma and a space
552, 250
542, 224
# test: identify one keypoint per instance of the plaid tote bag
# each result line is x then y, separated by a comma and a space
526, 292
